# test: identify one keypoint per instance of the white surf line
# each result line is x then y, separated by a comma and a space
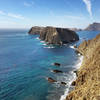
49, 47
63, 97
72, 46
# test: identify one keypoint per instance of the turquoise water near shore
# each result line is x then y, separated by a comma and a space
26, 61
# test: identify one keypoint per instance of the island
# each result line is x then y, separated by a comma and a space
54, 35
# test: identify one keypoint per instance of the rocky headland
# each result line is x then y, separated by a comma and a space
36, 30
93, 27
87, 83
53, 35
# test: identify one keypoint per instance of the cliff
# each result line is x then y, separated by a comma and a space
87, 84
93, 27
60, 36
36, 30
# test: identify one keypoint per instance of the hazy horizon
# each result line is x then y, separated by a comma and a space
24, 14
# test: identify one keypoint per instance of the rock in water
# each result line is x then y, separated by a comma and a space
36, 30
75, 46
57, 64
51, 80
76, 72
73, 83
57, 71
63, 83
58, 36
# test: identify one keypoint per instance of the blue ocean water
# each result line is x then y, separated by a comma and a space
26, 61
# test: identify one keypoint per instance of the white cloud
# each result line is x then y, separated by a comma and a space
2, 13
74, 17
15, 16
89, 6
28, 4
52, 14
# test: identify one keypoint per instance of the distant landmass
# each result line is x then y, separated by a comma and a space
53, 35
93, 27
75, 29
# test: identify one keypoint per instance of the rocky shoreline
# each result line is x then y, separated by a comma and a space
87, 83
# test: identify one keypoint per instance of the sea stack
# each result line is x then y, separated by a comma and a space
58, 36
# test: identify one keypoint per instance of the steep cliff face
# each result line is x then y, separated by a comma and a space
54, 35
87, 84
93, 27
36, 30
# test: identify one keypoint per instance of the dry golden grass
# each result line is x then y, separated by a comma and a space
88, 80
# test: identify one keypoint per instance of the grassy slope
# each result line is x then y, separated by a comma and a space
88, 81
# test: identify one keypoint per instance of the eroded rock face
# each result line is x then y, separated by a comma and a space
36, 30
60, 36
87, 84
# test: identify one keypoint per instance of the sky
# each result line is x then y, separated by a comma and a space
57, 13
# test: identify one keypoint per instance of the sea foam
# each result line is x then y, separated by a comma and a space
49, 47
37, 38
77, 66
72, 47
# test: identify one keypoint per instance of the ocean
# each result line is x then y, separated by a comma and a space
26, 62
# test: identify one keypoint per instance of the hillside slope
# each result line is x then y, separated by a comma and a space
87, 84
